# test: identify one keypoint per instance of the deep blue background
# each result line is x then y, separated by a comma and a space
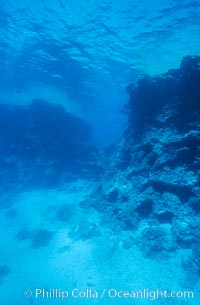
82, 54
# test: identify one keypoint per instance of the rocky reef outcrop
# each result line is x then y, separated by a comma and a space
41, 144
152, 185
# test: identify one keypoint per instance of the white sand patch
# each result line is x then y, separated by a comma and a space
78, 261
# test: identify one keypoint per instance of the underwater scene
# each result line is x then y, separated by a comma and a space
99, 152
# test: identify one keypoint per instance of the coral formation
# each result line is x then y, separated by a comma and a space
41, 144
156, 165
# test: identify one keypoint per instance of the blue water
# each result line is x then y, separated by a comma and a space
70, 62
83, 54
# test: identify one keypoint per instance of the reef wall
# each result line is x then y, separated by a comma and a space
151, 187
41, 144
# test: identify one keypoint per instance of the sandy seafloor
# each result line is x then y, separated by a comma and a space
75, 259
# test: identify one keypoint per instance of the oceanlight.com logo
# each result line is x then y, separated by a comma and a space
151, 294
112, 293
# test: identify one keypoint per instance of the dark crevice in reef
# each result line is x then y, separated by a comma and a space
183, 192
156, 165
145, 208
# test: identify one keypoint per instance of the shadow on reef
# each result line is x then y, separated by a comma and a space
151, 187
41, 144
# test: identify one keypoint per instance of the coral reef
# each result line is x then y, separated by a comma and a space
151, 186
144, 190
41, 144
